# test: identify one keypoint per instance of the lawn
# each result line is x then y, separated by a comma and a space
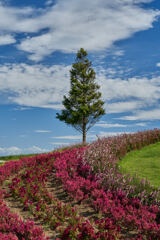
145, 163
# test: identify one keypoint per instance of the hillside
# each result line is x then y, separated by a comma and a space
79, 193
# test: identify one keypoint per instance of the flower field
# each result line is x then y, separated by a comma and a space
124, 206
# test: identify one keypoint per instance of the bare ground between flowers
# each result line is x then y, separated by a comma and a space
54, 186
85, 210
16, 206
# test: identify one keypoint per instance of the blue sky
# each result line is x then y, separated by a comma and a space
38, 44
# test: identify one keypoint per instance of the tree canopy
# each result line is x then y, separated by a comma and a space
83, 106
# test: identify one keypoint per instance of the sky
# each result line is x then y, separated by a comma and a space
38, 45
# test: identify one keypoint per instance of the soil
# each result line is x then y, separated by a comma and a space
55, 187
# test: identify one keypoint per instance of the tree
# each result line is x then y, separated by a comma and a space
83, 107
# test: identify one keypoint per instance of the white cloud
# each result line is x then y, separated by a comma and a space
36, 85
44, 86
131, 94
16, 150
118, 52
42, 131
119, 107
139, 1
60, 143
109, 125
143, 115
158, 64
110, 134
10, 151
6, 39
142, 88
103, 124
54, 106
141, 124
18, 19
94, 25
20, 108
35, 149
75, 137
49, 2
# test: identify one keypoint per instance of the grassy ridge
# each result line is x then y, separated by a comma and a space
145, 163
15, 157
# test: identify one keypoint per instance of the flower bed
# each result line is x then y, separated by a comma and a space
13, 228
124, 211
29, 186
89, 175
103, 155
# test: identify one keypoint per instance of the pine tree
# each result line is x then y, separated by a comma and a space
83, 107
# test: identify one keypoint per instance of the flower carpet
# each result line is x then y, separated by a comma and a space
79, 193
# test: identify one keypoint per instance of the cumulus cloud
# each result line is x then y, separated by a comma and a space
49, 2
95, 25
10, 151
60, 143
110, 134
16, 150
104, 124
42, 131
75, 137
147, 89
91, 24
141, 124
126, 95
35, 149
36, 85
110, 125
18, 20
44, 86
126, 106
7, 39
71, 137
143, 115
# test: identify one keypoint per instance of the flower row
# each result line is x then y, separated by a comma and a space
13, 228
88, 174
83, 186
103, 155
30, 187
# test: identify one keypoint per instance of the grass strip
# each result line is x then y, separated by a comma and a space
144, 163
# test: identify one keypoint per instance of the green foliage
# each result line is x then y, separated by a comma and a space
83, 106
145, 163
16, 157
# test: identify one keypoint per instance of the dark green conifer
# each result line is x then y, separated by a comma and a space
83, 107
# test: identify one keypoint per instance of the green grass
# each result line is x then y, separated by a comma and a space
145, 163
16, 157
13, 157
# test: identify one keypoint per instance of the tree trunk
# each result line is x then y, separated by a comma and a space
84, 137
84, 132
